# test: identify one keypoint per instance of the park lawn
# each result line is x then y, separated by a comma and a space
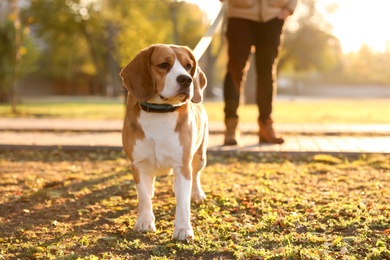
83, 205
358, 111
332, 111
67, 108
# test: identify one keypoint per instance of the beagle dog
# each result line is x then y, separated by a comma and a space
165, 129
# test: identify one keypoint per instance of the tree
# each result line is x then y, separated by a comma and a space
310, 46
15, 47
99, 37
366, 67
172, 22
7, 57
73, 40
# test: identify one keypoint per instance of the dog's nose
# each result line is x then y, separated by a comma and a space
184, 80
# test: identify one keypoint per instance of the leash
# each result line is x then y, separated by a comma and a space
205, 41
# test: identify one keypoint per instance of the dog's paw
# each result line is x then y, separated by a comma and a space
198, 196
183, 234
143, 225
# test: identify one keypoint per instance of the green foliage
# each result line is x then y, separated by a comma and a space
367, 66
311, 49
7, 56
141, 23
72, 43
154, 21
191, 27
29, 53
16, 59
310, 46
98, 37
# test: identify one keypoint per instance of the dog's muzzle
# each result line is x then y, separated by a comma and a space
184, 81
184, 91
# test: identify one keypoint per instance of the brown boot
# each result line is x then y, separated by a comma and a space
232, 134
267, 133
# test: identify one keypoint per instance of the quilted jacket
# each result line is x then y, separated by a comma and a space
258, 10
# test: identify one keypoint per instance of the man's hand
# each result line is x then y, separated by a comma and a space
284, 14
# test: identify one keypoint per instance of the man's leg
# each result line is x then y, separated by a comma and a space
240, 36
268, 42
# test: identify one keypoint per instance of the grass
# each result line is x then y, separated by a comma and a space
83, 205
359, 111
68, 108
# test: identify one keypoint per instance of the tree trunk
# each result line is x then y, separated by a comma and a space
16, 56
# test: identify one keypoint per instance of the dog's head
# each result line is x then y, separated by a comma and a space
164, 74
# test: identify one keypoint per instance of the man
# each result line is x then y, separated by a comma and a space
257, 23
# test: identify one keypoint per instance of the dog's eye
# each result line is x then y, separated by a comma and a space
188, 66
164, 66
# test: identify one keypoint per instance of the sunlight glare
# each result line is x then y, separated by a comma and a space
210, 7
358, 22
355, 22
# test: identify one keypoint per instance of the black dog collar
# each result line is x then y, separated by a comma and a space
157, 108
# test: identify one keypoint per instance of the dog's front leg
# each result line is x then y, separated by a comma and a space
145, 190
198, 163
183, 229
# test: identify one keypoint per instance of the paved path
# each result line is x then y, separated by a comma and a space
94, 134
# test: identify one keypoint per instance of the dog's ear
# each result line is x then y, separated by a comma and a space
137, 76
200, 83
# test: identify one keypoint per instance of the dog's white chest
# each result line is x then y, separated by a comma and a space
161, 146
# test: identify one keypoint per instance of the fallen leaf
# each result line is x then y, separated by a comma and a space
53, 184
343, 250
109, 238
279, 250
54, 194
300, 229
81, 211
39, 249
234, 236
25, 199
170, 245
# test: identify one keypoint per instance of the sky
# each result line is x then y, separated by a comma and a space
358, 22
355, 22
